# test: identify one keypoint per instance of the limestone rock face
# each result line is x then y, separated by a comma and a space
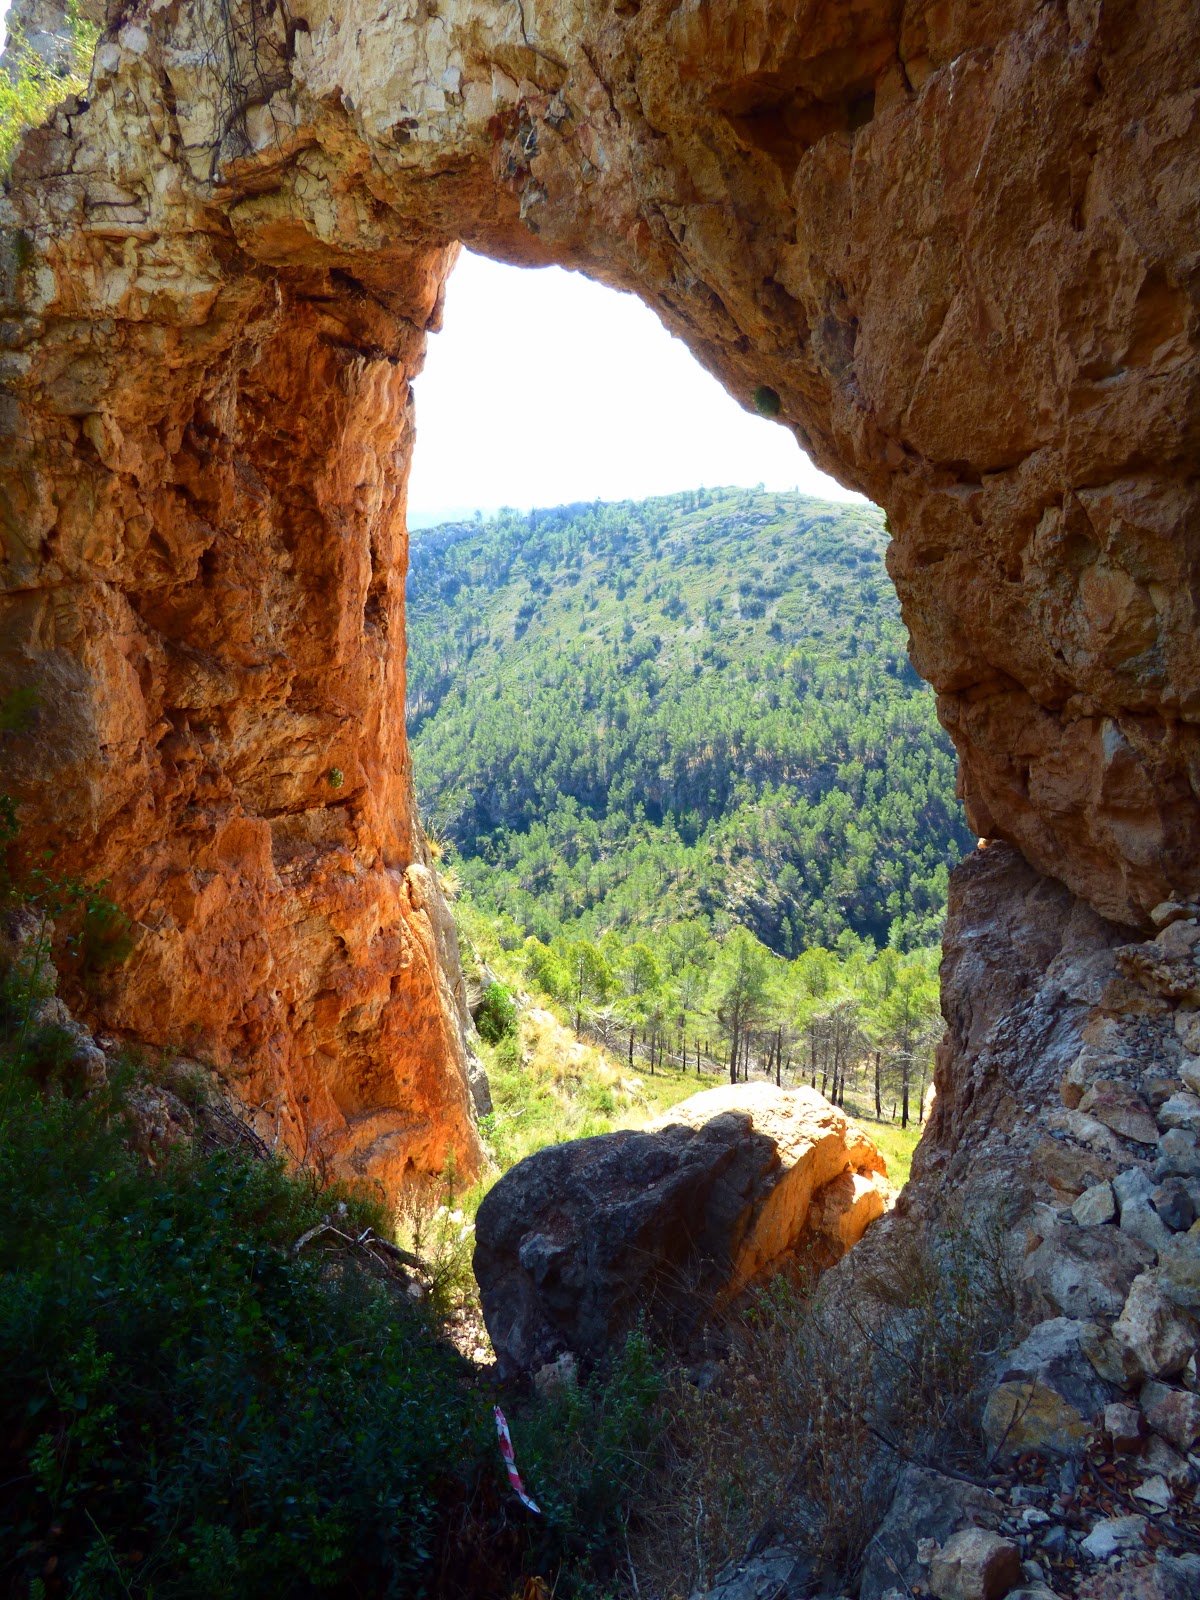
955, 239
579, 1239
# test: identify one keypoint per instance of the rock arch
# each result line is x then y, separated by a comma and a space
957, 240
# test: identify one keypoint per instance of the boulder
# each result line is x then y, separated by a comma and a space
1139, 1220
1174, 1204
1132, 1185
925, 1507
578, 1240
975, 1564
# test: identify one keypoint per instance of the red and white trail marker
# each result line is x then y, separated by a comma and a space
510, 1463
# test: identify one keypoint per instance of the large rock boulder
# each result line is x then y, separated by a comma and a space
579, 1239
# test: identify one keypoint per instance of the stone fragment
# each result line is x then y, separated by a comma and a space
1182, 1110
1112, 1360
1179, 938
975, 1564
1113, 1534
1174, 1204
1178, 1154
1112, 1102
1048, 1393
1132, 1184
1189, 1072
1085, 1130
1179, 1268
1187, 1030
1141, 1221
1095, 1206
927, 1509
1160, 1335
1156, 1090
1168, 911
1123, 1425
1173, 1413
1160, 1460
1086, 1272
578, 1240
783, 1573
1068, 1169
1154, 1492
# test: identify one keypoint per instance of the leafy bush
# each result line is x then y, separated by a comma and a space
188, 1407
587, 1452
496, 1018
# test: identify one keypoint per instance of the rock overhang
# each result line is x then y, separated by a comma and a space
220, 271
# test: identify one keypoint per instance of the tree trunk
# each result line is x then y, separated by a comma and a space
632, 1036
779, 1058
878, 1090
733, 1049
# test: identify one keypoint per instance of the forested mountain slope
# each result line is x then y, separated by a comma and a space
695, 706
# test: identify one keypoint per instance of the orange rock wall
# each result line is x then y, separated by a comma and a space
957, 238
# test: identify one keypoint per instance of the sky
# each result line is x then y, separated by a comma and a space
545, 388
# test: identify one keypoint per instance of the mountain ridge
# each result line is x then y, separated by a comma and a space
701, 702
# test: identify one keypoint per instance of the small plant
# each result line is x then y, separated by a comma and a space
497, 1018
31, 88
336, 777
766, 401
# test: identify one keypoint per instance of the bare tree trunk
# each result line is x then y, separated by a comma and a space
733, 1050
878, 1089
779, 1057
632, 1036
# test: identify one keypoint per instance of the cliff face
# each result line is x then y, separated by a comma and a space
956, 239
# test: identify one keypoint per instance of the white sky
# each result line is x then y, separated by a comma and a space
544, 387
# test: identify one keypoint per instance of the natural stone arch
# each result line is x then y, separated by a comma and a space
956, 239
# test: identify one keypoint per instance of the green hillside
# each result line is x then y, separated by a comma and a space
624, 716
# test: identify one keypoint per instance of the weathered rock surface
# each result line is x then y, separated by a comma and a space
975, 1564
578, 1239
217, 277
1048, 1396
927, 1509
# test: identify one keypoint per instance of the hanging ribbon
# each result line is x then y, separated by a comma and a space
510, 1463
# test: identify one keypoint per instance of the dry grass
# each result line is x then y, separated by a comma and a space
802, 1431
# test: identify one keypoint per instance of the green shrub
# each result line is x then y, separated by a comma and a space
188, 1407
496, 1018
586, 1454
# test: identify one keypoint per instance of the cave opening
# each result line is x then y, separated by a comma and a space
591, 515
